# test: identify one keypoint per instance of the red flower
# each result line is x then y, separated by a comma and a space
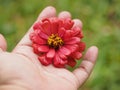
57, 42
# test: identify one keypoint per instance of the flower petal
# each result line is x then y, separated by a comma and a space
61, 55
46, 25
36, 32
44, 60
43, 48
51, 53
36, 39
67, 35
58, 62
76, 55
77, 32
68, 24
54, 25
73, 40
61, 32
71, 62
82, 46
65, 51
37, 26
43, 35
35, 48
72, 47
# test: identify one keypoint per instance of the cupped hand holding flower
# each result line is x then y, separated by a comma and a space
57, 41
21, 69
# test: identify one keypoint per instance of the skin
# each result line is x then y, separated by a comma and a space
21, 70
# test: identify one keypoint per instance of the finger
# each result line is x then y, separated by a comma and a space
77, 23
64, 15
3, 44
86, 66
46, 13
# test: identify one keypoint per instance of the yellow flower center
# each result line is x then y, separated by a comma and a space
55, 41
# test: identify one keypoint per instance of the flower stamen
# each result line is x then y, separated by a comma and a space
55, 41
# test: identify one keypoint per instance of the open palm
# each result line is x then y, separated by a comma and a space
21, 70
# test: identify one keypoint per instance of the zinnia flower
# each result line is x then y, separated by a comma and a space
57, 42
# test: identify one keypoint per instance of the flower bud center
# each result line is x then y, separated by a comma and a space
55, 41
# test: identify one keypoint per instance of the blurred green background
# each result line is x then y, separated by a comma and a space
101, 27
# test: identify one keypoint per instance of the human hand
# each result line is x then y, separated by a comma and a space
21, 70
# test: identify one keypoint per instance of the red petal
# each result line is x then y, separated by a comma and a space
77, 55
43, 35
68, 24
77, 32
61, 32
61, 55
61, 22
58, 62
82, 46
80, 35
71, 62
51, 53
35, 48
46, 25
65, 51
54, 25
43, 48
73, 40
67, 35
37, 26
44, 60
36, 39
36, 32
72, 47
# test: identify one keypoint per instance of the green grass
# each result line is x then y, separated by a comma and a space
101, 27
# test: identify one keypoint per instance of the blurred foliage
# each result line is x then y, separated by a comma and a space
101, 27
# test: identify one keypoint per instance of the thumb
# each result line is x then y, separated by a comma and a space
3, 44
